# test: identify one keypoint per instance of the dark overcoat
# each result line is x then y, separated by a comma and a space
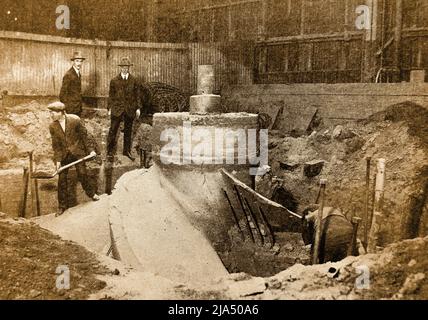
71, 92
124, 96
74, 141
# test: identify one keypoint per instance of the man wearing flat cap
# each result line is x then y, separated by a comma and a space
71, 89
70, 142
124, 104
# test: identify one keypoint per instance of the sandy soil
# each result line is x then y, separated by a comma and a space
397, 135
29, 257
399, 272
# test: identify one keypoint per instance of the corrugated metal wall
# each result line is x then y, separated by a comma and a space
35, 64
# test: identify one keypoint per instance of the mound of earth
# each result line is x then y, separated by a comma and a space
25, 127
29, 258
399, 135
399, 272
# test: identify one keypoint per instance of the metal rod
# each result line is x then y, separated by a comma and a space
145, 159
235, 217
253, 182
256, 224
261, 198
270, 234
142, 163
355, 224
235, 188
36, 189
367, 200
315, 253
108, 175
32, 186
23, 201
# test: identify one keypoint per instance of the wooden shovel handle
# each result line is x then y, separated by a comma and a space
88, 157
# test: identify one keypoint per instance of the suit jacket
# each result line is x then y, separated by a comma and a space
71, 92
124, 96
73, 141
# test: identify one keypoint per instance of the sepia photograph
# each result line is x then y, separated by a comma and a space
227, 151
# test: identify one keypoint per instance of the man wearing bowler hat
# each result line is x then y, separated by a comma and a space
124, 104
71, 89
70, 142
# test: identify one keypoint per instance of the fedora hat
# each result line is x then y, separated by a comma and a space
56, 106
77, 55
125, 62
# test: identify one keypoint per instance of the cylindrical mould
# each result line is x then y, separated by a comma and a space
203, 104
205, 79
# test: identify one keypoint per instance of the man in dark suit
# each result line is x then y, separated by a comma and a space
124, 104
71, 89
70, 143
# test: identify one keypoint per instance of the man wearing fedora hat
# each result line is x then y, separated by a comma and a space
71, 89
124, 104
70, 142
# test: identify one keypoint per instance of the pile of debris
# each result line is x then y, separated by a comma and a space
25, 127
399, 272
32, 259
339, 154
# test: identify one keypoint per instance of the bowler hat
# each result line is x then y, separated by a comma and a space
125, 62
56, 106
77, 55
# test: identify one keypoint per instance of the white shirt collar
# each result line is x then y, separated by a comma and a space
62, 124
77, 70
124, 76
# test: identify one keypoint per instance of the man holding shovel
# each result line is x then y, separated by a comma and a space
70, 143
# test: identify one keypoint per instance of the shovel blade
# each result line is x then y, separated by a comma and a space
41, 175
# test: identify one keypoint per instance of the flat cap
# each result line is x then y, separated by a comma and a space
56, 106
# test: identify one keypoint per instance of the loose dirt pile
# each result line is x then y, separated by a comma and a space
256, 260
29, 258
25, 127
398, 134
399, 272
30, 255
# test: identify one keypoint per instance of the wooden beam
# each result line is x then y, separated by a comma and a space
398, 36
302, 17
12, 35
261, 198
218, 6
314, 38
263, 33
231, 34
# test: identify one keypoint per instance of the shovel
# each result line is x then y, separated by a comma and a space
42, 175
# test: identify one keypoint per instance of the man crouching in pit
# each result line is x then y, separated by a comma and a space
70, 143
336, 233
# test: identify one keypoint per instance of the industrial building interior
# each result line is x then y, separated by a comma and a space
297, 163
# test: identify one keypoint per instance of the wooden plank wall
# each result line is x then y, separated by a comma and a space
35, 64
